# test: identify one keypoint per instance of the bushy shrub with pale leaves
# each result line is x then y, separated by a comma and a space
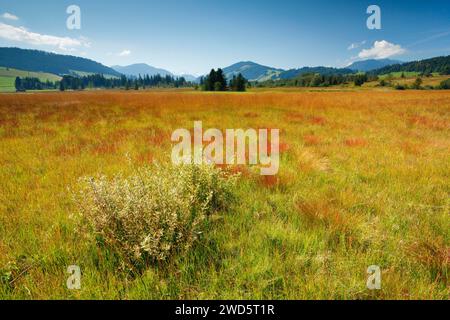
155, 212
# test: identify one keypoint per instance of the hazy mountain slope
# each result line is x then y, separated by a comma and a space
372, 64
41, 61
190, 77
251, 71
141, 69
256, 72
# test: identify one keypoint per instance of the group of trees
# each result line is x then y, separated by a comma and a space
216, 81
158, 81
238, 83
445, 84
320, 80
30, 83
99, 81
69, 82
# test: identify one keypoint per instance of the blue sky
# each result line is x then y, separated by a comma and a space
193, 36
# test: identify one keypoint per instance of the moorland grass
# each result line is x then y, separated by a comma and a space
364, 180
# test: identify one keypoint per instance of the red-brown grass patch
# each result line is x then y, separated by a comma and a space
311, 140
320, 121
269, 181
355, 142
436, 124
434, 254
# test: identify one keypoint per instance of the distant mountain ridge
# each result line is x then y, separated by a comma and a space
256, 72
141, 69
134, 70
42, 61
372, 64
251, 71
57, 64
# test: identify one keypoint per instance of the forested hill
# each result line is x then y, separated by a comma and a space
439, 64
293, 73
41, 61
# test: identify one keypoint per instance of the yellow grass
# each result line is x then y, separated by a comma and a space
364, 180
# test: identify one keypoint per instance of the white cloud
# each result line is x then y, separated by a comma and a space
124, 53
381, 50
356, 45
10, 16
23, 35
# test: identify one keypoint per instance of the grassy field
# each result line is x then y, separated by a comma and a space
8, 76
409, 79
7, 84
399, 74
364, 180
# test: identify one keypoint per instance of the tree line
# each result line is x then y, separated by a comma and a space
320, 80
69, 82
31, 83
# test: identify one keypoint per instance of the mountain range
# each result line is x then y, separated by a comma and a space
134, 70
372, 64
257, 72
137, 69
252, 71
57, 64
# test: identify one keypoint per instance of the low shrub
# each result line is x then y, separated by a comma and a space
400, 87
445, 84
155, 212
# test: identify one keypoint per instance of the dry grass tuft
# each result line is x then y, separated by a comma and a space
309, 161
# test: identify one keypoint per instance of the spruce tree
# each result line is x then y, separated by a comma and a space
240, 83
220, 78
18, 84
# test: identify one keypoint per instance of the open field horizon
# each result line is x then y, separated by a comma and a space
363, 180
